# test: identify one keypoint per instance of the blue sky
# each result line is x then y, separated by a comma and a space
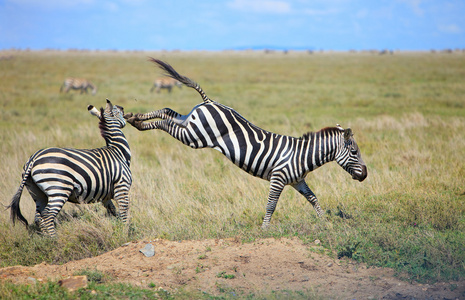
232, 24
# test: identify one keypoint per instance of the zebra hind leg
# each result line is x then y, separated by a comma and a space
169, 125
141, 125
164, 114
40, 199
55, 204
40, 206
111, 209
303, 189
136, 120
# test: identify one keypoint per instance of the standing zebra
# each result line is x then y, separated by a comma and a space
165, 83
56, 175
78, 84
282, 160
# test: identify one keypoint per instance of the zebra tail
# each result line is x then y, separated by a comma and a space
15, 212
171, 72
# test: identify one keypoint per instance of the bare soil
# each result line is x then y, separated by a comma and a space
216, 266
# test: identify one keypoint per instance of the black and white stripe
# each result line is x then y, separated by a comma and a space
283, 160
56, 175
81, 84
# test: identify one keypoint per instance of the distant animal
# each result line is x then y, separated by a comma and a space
78, 84
165, 83
56, 175
282, 160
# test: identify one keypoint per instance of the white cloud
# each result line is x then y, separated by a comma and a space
319, 12
450, 28
415, 5
363, 13
261, 6
111, 6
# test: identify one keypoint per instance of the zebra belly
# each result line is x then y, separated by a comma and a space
76, 192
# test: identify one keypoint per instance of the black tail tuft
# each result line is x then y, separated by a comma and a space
171, 72
15, 210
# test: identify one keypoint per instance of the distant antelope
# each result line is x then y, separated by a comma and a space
165, 83
78, 84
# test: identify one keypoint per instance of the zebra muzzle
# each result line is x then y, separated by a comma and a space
360, 176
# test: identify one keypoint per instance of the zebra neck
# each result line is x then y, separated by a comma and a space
322, 148
117, 141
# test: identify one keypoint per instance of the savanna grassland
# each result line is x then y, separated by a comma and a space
407, 112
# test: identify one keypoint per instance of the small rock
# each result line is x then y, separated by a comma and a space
73, 283
32, 279
330, 264
317, 242
148, 250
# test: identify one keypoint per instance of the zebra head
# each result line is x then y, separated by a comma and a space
349, 156
112, 114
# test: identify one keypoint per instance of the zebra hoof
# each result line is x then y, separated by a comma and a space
132, 121
265, 226
128, 115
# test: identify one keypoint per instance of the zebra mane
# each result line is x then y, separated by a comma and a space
309, 135
102, 125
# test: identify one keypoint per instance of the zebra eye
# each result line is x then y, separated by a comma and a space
353, 151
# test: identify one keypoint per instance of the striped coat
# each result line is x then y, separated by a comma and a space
56, 175
282, 160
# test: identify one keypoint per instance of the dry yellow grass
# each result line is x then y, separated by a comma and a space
406, 110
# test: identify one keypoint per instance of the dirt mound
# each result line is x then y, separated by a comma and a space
215, 266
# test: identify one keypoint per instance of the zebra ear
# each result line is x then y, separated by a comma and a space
109, 105
93, 111
348, 134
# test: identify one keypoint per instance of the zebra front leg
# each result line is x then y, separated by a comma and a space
276, 187
303, 189
122, 198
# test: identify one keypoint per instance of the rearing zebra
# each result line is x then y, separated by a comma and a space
282, 160
78, 84
56, 175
